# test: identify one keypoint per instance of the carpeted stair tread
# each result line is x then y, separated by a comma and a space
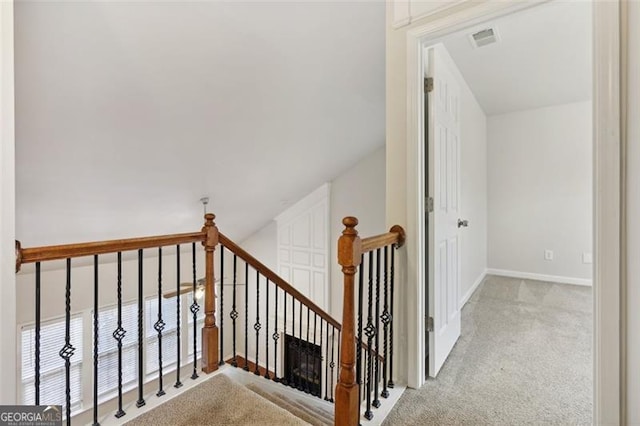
218, 401
307, 413
315, 409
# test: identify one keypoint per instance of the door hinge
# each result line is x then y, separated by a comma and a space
428, 84
428, 204
429, 324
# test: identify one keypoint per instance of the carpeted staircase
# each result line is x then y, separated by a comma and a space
238, 398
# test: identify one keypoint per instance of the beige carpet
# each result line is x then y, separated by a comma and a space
218, 401
524, 358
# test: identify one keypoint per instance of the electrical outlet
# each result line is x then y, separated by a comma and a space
548, 255
587, 258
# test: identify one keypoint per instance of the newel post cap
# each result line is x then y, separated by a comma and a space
349, 244
211, 231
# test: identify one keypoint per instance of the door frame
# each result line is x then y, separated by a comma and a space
608, 181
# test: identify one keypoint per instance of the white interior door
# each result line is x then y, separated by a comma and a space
443, 130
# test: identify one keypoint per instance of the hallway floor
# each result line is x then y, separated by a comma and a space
524, 357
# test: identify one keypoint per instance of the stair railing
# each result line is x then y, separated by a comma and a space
366, 368
114, 250
272, 309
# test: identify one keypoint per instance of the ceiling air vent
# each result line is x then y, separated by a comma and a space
484, 37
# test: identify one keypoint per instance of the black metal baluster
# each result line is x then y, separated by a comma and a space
338, 343
283, 379
234, 313
37, 336
391, 277
159, 324
178, 383
333, 364
140, 402
194, 308
95, 340
246, 317
359, 333
276, 336
266, 334
369, 331
326, 367
376, 393
257, 326
307, 352
294, 378
67, 350
321, 359
221, 340
119, 334
314, 356
300, 346
385, 321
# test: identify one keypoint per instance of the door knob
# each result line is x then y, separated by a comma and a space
463, 223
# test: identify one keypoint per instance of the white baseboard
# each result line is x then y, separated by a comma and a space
473, 288
540, 277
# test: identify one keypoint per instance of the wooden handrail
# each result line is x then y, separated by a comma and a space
45, 253
395, 235
277, 280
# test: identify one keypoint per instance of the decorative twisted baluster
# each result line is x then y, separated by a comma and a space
276, 336
160, 324
118, 335
178, 383
95, 340
391, 277
266, 334
257, 326
234, 313
386, 317
140, 402
194, 308
332, 364
376, 400
370, 332
359, 331
307, 352
327, 366
68, 349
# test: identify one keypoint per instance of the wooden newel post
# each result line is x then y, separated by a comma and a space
210, 329
349, 250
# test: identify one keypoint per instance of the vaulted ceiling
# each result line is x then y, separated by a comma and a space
543, 57
128, 113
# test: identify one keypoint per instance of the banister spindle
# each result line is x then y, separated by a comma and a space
359, 331
95, 340
376, 400
178, 383
221, 306
307, 352
246, 317
386, 317
194, 308
369, 331
140, 402
37, 335
234, 313
159, 324
118, 334
276, 336
68, 349
349, 250
210, 329
266, 334
390, 384
257, 326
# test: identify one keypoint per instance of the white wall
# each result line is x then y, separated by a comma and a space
473, 186
263, 245
359, 192
633, 213
7, 208
540, 190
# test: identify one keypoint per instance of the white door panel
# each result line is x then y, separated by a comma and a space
443, 185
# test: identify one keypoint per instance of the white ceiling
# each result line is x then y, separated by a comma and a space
542, 59
128, 113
